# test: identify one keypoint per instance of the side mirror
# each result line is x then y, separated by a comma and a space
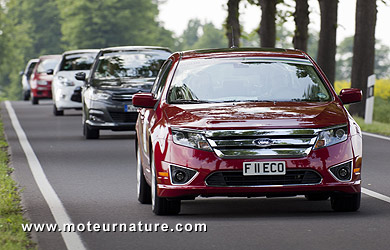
50, 71
21, 73
348, 96
144, 100
81, 76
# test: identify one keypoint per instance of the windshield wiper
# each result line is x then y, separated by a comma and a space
187, 101
249, 101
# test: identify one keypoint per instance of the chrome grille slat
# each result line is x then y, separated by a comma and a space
279, 143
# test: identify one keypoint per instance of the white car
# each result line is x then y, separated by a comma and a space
64, 81
26, 75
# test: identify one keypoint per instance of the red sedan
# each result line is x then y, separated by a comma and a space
248, 123
42, 77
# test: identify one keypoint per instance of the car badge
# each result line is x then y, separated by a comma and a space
263, 142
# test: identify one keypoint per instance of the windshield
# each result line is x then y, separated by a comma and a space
80, 61
47, 64
128, 64
246, 80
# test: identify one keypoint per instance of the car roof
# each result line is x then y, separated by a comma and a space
243, 52
135, 48
79, 51
49, 56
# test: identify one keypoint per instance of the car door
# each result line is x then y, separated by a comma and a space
146, 119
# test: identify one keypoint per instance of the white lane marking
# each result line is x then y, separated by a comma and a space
72, 240
376, 195
376, 136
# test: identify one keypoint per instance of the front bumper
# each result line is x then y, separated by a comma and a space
207, 163
62, 98
111, 116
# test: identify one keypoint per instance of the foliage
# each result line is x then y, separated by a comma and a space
382, 88
90, 24
345, 54
11, 234
202, 36
376, 127
32, 28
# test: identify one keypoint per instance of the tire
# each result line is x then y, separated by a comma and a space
26, 95
34, 100
345, 202
160, 205
57, 112
317, 197
143, 188
90, 133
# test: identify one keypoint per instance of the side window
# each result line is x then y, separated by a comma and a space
161, 79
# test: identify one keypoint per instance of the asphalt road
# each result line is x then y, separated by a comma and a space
96, 182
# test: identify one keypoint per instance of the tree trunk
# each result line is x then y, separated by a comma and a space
233, 30
301, 18
267, 31
326, 56
363, 50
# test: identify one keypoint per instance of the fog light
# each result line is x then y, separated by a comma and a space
342, 172
181, 175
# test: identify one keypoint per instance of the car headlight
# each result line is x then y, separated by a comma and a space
190, 139
331, 136
65, 81
100, 96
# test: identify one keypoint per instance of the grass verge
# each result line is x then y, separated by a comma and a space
12, 236
376, 127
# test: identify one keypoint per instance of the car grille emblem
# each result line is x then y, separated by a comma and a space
263, 142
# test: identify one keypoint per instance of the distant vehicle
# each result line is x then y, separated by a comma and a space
26, 76
42, 77
116, 75
64, 81
246, 122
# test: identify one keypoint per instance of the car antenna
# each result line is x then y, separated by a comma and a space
233, 45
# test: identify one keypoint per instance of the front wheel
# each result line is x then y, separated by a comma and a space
345, 202
161, 205
34, 100
143, 189
57, 112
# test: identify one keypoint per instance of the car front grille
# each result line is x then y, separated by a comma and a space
122, 97
236, 178
276, 143
124, 117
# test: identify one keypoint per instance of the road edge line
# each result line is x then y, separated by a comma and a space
376, 136
72, 239
376, 195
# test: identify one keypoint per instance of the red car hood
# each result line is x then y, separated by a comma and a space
255, 115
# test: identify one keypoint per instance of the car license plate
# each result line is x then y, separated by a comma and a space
130, 108
264, 168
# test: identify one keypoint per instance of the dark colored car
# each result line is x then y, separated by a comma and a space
26, 77
42, 77
246, 122
116, 75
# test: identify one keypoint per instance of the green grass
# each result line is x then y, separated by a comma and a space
12, 236
376, 127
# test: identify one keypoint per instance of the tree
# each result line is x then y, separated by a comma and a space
211, 38
267, 30
190, 35
326, 56
233, 29
301, 18
363, 50
96, 24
